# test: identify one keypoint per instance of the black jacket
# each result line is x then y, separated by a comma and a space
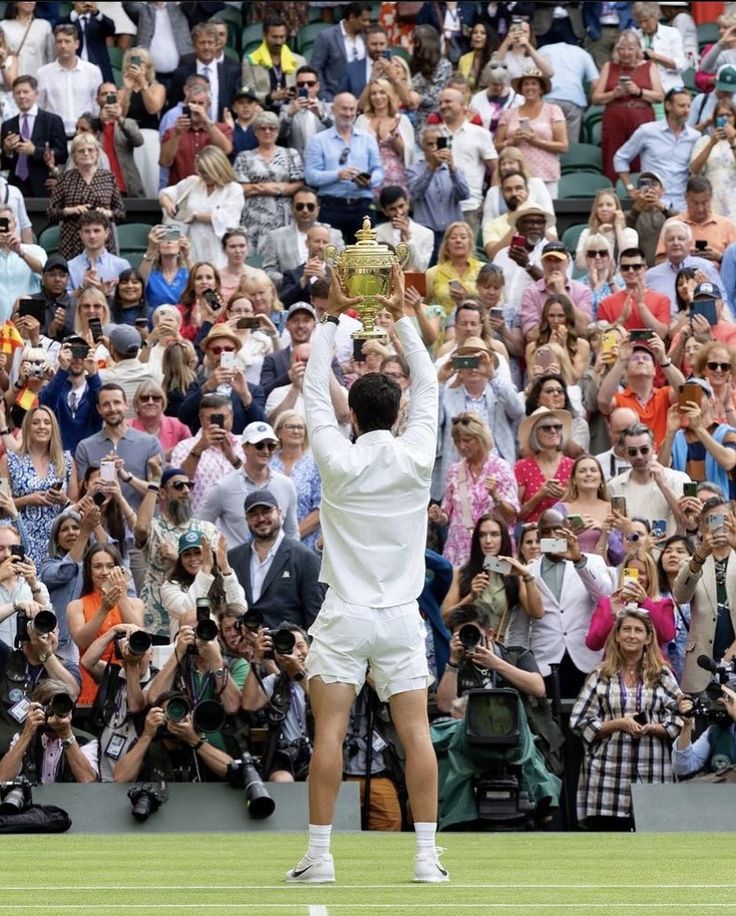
98, 28
228, 82
47, 128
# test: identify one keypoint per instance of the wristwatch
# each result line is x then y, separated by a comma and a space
43, 657
67, 742
220, 672
325, 318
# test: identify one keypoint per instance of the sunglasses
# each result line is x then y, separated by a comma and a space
640, 450
181, 485
553, 428
309, 207
597, 254
260, 446
344, 156
150, 397
714, 367
218, 350
625, 268
307, 84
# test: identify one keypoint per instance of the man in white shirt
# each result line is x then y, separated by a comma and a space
615, 461
20, 264
400, 227
68, 85
374, 516
126, 369
472, 150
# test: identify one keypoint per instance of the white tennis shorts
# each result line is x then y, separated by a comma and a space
347, 638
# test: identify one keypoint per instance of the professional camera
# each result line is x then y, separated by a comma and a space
44, 622
205, 627
252, 620
15, 796
242, 774
61, 705
470, 637
146, 800
139, 642
207, 716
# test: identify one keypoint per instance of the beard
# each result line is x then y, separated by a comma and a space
180, 511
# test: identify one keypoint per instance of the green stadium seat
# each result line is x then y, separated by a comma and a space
581, 184
623, 194
250, 39
581, 157
707, 34
116, 56
688, 81
133, 236
134, 258
233, 18
397, 51
307, 35
254, 260
48, 239
593, 115
117, 75
571, 237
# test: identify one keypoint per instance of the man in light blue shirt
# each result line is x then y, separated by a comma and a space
677, 238
20, 265
344, 165
573, 68
95, 266
665, 147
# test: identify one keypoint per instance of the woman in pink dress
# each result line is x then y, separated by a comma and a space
543, 470
393, 131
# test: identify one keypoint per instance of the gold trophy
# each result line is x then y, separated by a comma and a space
364, 270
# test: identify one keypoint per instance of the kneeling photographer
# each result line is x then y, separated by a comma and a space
283, 693
209, 685
477, 661
47, 749
120, 704
714, 752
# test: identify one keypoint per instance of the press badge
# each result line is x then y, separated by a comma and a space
115, 747
378, 743
20, 711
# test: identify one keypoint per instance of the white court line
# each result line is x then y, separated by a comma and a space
372, 906
318, 911
338, 887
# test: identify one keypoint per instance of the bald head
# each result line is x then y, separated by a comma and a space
344, 110
452, 107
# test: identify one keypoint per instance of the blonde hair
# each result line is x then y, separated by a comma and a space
149, 387
287, 415
166, 311
593, 222
84, 139
55, 448
571, 491
469, 423
80, 322
365, 104
647, 561
147, 62
628, 37
652, 661
442, 254
515, 155
258, 277
214, 164
175, 365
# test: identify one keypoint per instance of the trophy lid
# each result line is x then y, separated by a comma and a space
367, 241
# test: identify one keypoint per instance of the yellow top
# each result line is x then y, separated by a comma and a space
438, 282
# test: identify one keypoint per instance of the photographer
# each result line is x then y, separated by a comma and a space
478, 661
715, 750
22, 669
19, 585
196, 669
121, 700
47, 749
285, 692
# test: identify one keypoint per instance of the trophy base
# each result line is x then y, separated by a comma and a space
375, 333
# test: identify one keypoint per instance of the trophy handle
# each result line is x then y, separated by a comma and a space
401, 253
330, 255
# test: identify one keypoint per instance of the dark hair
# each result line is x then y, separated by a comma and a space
390, 193
712, 503
375, 399
475, 560
636, 429
427, 51
664, 585
216, 592
273, 21
111, 386
698, 184
112, 515
492, 43
306, 68
516, 173
87, 587
532, 399
375, 28
469, 613
545, 331
676, 90
689, 274
94, 218
25, 78
117, 305
353, 10
633, 252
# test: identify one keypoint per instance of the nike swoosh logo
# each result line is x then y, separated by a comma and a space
302, 871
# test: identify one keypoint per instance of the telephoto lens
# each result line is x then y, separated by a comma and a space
15, 796
469, 636
283, 641
177, 708
45, 622
206, 628
139, 642
208, 716
61, 705
243, 774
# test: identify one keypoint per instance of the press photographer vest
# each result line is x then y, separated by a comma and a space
722, 744
15, 683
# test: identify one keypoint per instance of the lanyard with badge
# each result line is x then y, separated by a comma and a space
21, 697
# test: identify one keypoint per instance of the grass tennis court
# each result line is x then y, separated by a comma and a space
491, 873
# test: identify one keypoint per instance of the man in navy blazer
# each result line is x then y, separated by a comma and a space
373, 65
224, 78
289, 589
46, 128
339, 45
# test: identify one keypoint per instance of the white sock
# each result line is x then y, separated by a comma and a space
425, 837
319, 840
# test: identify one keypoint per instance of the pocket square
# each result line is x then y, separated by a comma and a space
286, 574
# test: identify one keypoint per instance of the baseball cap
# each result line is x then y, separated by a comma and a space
56, 262
125, 340
245, 92
707, 289
172, 472
653, 175
555, 250
726, 79
190, 539
260, 498
258, 432
300, 307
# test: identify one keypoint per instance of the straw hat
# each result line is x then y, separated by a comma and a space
221, 332
528, 423
534, 73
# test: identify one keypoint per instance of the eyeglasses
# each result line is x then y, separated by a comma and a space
552, 428
640, 450
552, 391
217, 350
344, 155
260, 446
309, 207
714, 367
181, 485
150, 397
597, 254
268, 127
294, 427
624, 268
307, 84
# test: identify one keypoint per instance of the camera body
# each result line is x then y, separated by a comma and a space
146, 800
60, 706
243, 774
15, 796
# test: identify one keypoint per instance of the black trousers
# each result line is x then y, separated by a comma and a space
345, 214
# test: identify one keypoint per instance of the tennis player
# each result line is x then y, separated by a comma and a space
373, 515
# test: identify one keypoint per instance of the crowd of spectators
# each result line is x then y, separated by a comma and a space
155, 465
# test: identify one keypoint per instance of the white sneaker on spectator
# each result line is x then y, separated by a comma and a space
427, 868
313, 871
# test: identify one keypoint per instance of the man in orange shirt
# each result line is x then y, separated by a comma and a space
635, 306
639, 363
709, 229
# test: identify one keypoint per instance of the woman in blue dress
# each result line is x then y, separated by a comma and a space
43, 478
675, 551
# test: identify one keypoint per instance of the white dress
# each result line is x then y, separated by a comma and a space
38, 48
225, 204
